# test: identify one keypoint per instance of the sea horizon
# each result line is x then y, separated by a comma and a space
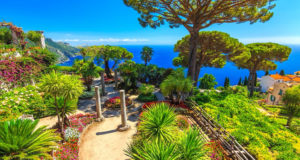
163, 55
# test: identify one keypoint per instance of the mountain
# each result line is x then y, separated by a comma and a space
64, 50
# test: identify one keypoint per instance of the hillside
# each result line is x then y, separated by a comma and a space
64, 50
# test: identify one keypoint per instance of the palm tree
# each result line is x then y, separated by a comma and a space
191, 145
176, 84
158, 123
291, 99
20, 139
146, 54
65, 87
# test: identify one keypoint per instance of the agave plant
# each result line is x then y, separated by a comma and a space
191, 145
20, 139
158, 123
153, 151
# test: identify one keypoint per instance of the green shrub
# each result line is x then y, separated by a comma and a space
87, 94
146, 89
65, 68
147, 98
34, 36
26, 100
22, 139
262, 136
5, 36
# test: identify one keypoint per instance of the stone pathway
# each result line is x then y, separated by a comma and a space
101, 140
158, 95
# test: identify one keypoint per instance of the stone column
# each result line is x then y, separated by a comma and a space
124, 126
98, 105
103, 84
116, 79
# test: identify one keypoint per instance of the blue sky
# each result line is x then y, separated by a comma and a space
88, 22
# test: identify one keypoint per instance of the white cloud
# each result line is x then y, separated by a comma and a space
281, 40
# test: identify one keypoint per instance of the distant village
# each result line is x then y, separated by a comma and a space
275, 86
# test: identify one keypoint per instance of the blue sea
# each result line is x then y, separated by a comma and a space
163, 55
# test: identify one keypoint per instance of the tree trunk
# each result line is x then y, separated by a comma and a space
289, 120
192, 56
197, 73
145, 63
251, 82
107, 70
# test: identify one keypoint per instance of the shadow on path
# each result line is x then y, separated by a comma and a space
106, 132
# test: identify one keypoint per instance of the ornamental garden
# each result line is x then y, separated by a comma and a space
174, 114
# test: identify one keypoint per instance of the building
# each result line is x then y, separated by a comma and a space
268, 81
276, 85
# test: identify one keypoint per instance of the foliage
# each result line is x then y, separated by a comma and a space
291, 99
182, 122
64, 68
262, 136
153, 151
215, 48
176, 85
146, 93
88, 94
34, 36
159, 137
69, 150
191, 145
108, 53
65, 90
5, 36
129, 73
25, 100
199, 14
208, 81
16, 72
158, 123
147, 98
226, 82
146, 89
282, 72
146, 54
20, 139
88, 71
263, 57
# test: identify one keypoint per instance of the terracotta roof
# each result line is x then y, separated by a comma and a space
286, 77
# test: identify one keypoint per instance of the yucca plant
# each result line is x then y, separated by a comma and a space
158, 123
153, 151
191, 145
20, 139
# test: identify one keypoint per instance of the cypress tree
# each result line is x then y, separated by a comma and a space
240, 81
226, 83
246, 81
282, 72
266, 73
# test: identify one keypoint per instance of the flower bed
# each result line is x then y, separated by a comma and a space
69, 150
115, 102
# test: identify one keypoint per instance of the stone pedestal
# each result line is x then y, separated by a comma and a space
124, 126
98, 105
